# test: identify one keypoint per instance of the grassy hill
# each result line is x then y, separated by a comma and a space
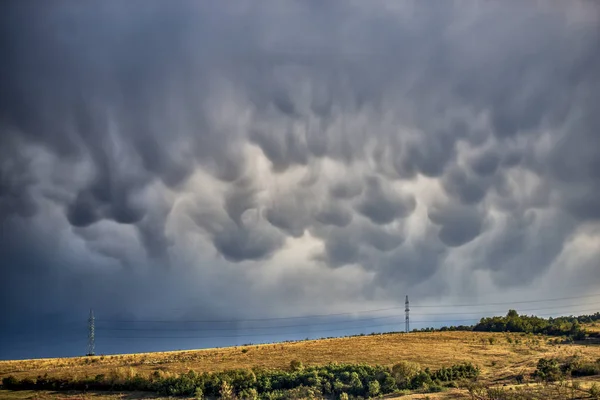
500, 357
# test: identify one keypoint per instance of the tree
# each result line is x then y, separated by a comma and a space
374, 388
296, 365
226, 392
404, 372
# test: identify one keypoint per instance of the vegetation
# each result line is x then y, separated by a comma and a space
513, 322
357, 380
553, 369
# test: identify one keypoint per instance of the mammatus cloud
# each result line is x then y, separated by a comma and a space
284, 157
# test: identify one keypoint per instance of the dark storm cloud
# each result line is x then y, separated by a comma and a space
252, 240
332, 215
346, 189
486, 163
15, 182
412, 263
382, 204
281, 144
188, 147
465, 188
361, 241
458, 224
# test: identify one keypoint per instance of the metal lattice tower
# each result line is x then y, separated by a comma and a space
91, 334
407, 316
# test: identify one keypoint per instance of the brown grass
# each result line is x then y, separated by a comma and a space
430, 349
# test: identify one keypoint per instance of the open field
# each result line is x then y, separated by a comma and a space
430, 349
500, 356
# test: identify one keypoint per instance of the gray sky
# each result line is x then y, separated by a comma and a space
189, 160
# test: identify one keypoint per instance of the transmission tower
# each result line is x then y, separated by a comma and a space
407, 316
91, 334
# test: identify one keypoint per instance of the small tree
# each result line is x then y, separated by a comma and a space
404, 372
226, 392
249, 394
296, 365
548, 370
374, 388
595, 391
356, 384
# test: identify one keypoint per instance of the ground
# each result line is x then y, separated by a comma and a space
500, 356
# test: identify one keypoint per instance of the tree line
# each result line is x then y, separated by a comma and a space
330, 381
513, 322
560, 326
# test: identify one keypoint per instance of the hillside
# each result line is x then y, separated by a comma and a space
500, 356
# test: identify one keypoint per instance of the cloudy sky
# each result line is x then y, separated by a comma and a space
231, 161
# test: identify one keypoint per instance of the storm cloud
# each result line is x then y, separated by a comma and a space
278, 158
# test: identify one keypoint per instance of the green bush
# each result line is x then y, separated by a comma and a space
404, 372
374, 388
249, 394
10, 382
422, 379
579, 368
595, 391
548, 370
296, 365
226, 392
435, 388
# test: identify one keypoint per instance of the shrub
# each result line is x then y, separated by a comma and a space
435, 388
296, 365
356, 384
249, 394
586, 369
10, 382
226, 392
595, 391
519, 378
404, 372
548, 370
389, 384
420, 380
374, 388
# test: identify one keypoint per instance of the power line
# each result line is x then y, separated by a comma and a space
317, 331
347, 313
237, 328
508, 302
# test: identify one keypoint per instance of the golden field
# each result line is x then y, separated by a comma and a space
500, 356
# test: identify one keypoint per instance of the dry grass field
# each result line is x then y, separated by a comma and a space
500, 356
430, 349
